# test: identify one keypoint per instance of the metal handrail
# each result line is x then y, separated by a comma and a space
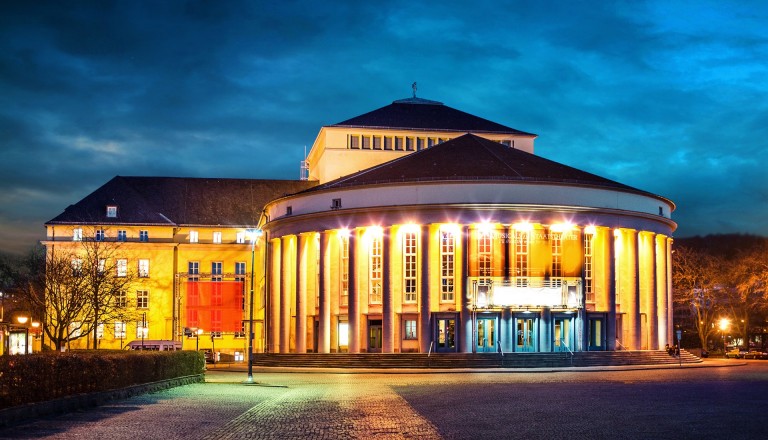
562, 341
429, 353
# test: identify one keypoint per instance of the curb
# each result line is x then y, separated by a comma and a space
31, 411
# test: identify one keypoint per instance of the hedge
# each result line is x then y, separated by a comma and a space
51, 375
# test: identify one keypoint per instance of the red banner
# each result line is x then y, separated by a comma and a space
215, 306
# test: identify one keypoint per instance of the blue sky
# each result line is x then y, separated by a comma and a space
669, 97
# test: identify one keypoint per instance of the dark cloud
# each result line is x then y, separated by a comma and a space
670, 98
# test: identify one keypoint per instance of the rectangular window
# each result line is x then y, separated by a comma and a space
120, 299
100, 330
216, 268
410, 144
193, 268
289, 210
100, 235
120, 330
375, 269
387, 142
399, 143
556, 243
410, 329
447, 271
240, 276
217, 237
111, 211
122, 235
102, 265
588, 286
143, 268
366, 142
484, 257
336, 204
142, 299
77, 234
240, 238
193, 236
122, 267
420, 142
409, 267
377, 142
77, 266
144, 235
354, 141
431, 142
344, 264
142, 329
521, 258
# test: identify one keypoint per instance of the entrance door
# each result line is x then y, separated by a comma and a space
486, 335
563, 335
526, 335
374, 336
446, 335
596, 334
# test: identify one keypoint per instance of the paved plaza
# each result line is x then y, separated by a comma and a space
723, 400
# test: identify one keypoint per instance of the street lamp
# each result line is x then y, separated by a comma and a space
724, 323
255, 234
22, 319
198, 332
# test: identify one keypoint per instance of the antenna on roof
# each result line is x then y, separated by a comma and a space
413, 86
304, 167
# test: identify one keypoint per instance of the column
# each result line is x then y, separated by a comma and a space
301, 293
649, 300
633, 296
661, 290
285, 295
387, 300
425, 306
324, 336
545, 330
274, 296
610, 265
353, 306
465, 327
670, 304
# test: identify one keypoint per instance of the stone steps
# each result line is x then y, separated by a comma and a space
470, 360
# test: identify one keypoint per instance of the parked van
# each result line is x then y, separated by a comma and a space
154, 345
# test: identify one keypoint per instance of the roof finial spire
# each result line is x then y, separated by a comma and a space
413, 86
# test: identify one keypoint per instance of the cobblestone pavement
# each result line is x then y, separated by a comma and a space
698, 403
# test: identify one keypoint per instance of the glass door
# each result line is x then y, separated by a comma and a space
563, 334
596, 334
446, 335
526, 335
486, 335
374, 336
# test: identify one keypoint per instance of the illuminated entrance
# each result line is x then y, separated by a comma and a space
527, 336
596, 333
563, 337
487, 335
445, 338
374, 336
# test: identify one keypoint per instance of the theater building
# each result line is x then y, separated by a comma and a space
422, 228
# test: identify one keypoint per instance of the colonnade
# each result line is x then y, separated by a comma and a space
308, 278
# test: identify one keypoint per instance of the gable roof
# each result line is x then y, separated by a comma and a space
423, 114
472, 158
179, 201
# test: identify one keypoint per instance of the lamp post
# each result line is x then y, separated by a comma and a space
22, 319
255, 234
198, 332
724, 322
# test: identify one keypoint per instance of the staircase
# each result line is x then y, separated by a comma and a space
471, 360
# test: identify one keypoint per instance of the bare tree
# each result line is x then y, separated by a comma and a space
746, 291
696, 283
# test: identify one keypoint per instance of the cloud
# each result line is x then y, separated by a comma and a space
669, 98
